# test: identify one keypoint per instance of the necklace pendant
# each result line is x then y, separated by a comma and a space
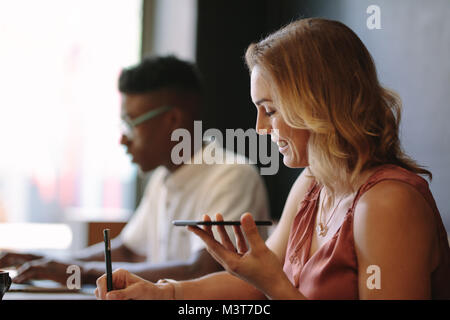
321, 230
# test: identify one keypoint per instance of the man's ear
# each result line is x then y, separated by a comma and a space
176, 118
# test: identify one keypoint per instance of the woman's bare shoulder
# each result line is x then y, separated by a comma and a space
394, 229
394, 215
394, 199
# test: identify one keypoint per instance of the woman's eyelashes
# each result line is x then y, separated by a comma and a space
269, 112
266, 111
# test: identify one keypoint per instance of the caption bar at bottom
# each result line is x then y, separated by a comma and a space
225, 309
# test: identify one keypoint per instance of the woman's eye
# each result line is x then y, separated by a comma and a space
269, 113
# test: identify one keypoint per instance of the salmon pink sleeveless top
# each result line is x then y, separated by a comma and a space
332, 271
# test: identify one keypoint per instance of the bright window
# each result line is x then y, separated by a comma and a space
59, 109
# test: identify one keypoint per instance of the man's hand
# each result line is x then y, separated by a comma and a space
11, 259
42, 269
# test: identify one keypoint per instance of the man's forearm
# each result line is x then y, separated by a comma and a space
119, 252
91, 253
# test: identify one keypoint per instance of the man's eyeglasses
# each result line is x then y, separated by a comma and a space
128, 124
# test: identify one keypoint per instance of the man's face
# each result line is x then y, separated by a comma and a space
149, 143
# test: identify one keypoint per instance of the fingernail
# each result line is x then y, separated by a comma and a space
111, 296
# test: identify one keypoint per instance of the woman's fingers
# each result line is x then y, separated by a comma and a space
205, 236
217, 250
132, 292
100, 291
225, 252
251, 232
240, 240
207, 228
225, 239
121, 279
127, 286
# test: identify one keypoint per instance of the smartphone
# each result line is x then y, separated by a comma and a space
183, 223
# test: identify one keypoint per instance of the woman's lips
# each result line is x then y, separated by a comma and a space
282, 146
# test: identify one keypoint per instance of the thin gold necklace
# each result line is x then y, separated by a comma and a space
321, 228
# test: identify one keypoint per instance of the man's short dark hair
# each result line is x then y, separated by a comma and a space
157, 72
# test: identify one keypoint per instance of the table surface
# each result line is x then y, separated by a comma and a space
47, 296
50, 292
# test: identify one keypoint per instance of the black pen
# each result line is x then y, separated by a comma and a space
109, 283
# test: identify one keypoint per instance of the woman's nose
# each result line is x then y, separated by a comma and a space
263, 125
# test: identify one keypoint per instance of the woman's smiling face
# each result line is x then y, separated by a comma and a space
292, 142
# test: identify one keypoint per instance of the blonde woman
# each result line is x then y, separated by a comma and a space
359, 222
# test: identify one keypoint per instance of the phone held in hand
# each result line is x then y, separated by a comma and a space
183, 223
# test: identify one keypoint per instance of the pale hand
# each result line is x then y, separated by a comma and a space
128, 286
257, 265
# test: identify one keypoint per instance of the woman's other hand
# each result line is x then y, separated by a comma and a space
128, 286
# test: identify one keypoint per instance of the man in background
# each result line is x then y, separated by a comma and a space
159, 95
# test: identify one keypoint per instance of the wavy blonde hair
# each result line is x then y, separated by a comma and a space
324, 80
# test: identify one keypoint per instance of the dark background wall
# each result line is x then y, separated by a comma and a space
225, 29
411, 51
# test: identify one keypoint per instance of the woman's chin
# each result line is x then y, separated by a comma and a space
290, 162
287, 160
